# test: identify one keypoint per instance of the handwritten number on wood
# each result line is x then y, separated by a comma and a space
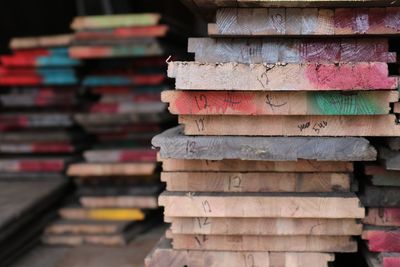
200, 124
235, 182
206, 206
201, 101
249, 260
201, 239
190, 147
203, 222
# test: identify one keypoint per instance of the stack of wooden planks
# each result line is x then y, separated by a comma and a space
118, 182
379, 193
261, 174
38, 98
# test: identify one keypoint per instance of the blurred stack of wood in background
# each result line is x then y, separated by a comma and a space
38, 137
118, 183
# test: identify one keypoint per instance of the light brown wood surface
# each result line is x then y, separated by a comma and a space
379, 125
229, 165
264, 205
140, 202
256, 182
107, 169
263, 226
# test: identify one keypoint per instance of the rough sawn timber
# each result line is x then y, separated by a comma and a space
174, 144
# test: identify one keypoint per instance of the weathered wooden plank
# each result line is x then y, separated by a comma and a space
305, 21
383, 259
264, 226
281, 77
118, 119
273, 50
114, 21
382, 239
92, 239
41, 41
265, 243
121, 155
256, 182
279, 103
33, 165
383, 216
382, 196
379, 176
173, 144
122, 33
228, 165
393, 143
86, 227
268, 205
110, 169
365, 125
164, 256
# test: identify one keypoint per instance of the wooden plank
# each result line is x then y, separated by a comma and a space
278, 103
305, 21
256, 182
140, 202
115, 214
60, 227
382, 196
114, 21
227, 165
365, 125
382, 239
383, 259
121, 155
281, 77
164, 256
390, 158
273, 50
104, 169
393, 143
264, 226
268, 205
123, 33
92, 239
118, 119
379, 176
265, 243
41, 41
173, 144
383, 216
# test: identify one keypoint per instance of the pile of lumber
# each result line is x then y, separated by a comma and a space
380, 189
118, 181
261, 173
38, 98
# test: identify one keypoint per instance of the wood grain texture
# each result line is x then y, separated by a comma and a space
265, 243
256, 182
278, 103
273, 50
265, 205
383, 217
365, 125
264, 226
164, 256
305, 21
104, 169
229, 165
281, 77
173, 144
382, 239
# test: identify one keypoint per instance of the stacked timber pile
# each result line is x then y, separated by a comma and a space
380, 190
233, 191
118, 183
37, 137
38, 100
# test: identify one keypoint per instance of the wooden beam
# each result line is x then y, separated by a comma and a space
265, 243
265, 205
114, 21
272, 50
256, 182
390, 158
114, 214
140, 202
382, 196
379, 125
281, 77
264, 226
305, 21
383, 217
379, 176
85, 227
121, 155
164, 256
227, 165
111, 169
279, 103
